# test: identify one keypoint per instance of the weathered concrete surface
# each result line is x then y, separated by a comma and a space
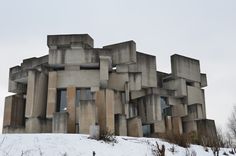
71, 97
87, 116
80, 79
185, 67
105, 110
159, 126
52, 94
120, 125
123, 53
36, 98
60, 122
194, 95
177, 125
135, 127
14, 111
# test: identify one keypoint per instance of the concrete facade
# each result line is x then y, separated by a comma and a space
77, 88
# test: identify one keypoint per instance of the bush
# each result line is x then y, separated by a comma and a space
107, 136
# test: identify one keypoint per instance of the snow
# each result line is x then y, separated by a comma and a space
81, 145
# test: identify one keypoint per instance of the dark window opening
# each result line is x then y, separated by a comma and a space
61, 100
165, 107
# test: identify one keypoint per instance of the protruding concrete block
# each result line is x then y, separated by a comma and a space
194, 95
135, 127
117, 81
87, 116
105, 109
179, 110
185, 67
105, 64
123, 53
36, 94
146, 65
159, 126
60, 122
14, 112
52, 94
203, 80
68, 40
120, 125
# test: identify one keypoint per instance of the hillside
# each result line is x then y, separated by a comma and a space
80, 145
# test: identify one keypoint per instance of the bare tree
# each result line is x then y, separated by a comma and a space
232, 122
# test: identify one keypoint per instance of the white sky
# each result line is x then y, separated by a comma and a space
202, 29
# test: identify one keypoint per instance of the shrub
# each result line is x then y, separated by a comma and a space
107, 136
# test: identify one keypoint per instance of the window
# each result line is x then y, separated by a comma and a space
165, 107
61, 100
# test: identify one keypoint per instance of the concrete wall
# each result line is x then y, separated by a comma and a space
120, 125
60, 122
135, 127
123, 53
194, 95
185, 67
14, 111
36, 98
71, 98
105, 109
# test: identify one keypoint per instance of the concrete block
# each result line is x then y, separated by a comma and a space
134, 127
207, 128
123, 53
185, 67
36, 98
71, 98
159, 126
118, 105
203, 80
105, 109
94, 132
179, 110
137, 94
105, 62
14, 111
194, 95
122, 68
168, 123
60, 122
85, 120
79, 79
135, 80
117, 81
177, 125
146, 64
68, 40
33, 125
179, 85
52, 94
189, 126
120, 125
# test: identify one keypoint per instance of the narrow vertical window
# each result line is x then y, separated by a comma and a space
61, 100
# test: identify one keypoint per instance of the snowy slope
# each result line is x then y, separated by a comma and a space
80, 145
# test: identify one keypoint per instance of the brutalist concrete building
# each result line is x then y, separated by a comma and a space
116, 87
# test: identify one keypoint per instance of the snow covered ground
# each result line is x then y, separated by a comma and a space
80, 145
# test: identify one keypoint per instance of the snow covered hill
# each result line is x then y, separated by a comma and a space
80, 145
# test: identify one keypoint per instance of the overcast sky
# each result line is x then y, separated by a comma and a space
202, 29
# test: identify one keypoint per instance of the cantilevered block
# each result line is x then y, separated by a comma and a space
185, 67
105, 64
123, 53
195, 95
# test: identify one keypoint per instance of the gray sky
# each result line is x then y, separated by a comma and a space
203, 29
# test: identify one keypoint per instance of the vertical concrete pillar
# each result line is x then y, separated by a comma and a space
71, 98
52, 94
87, 116
177, 125
120, 125
105, 109
36, 94
105, 62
